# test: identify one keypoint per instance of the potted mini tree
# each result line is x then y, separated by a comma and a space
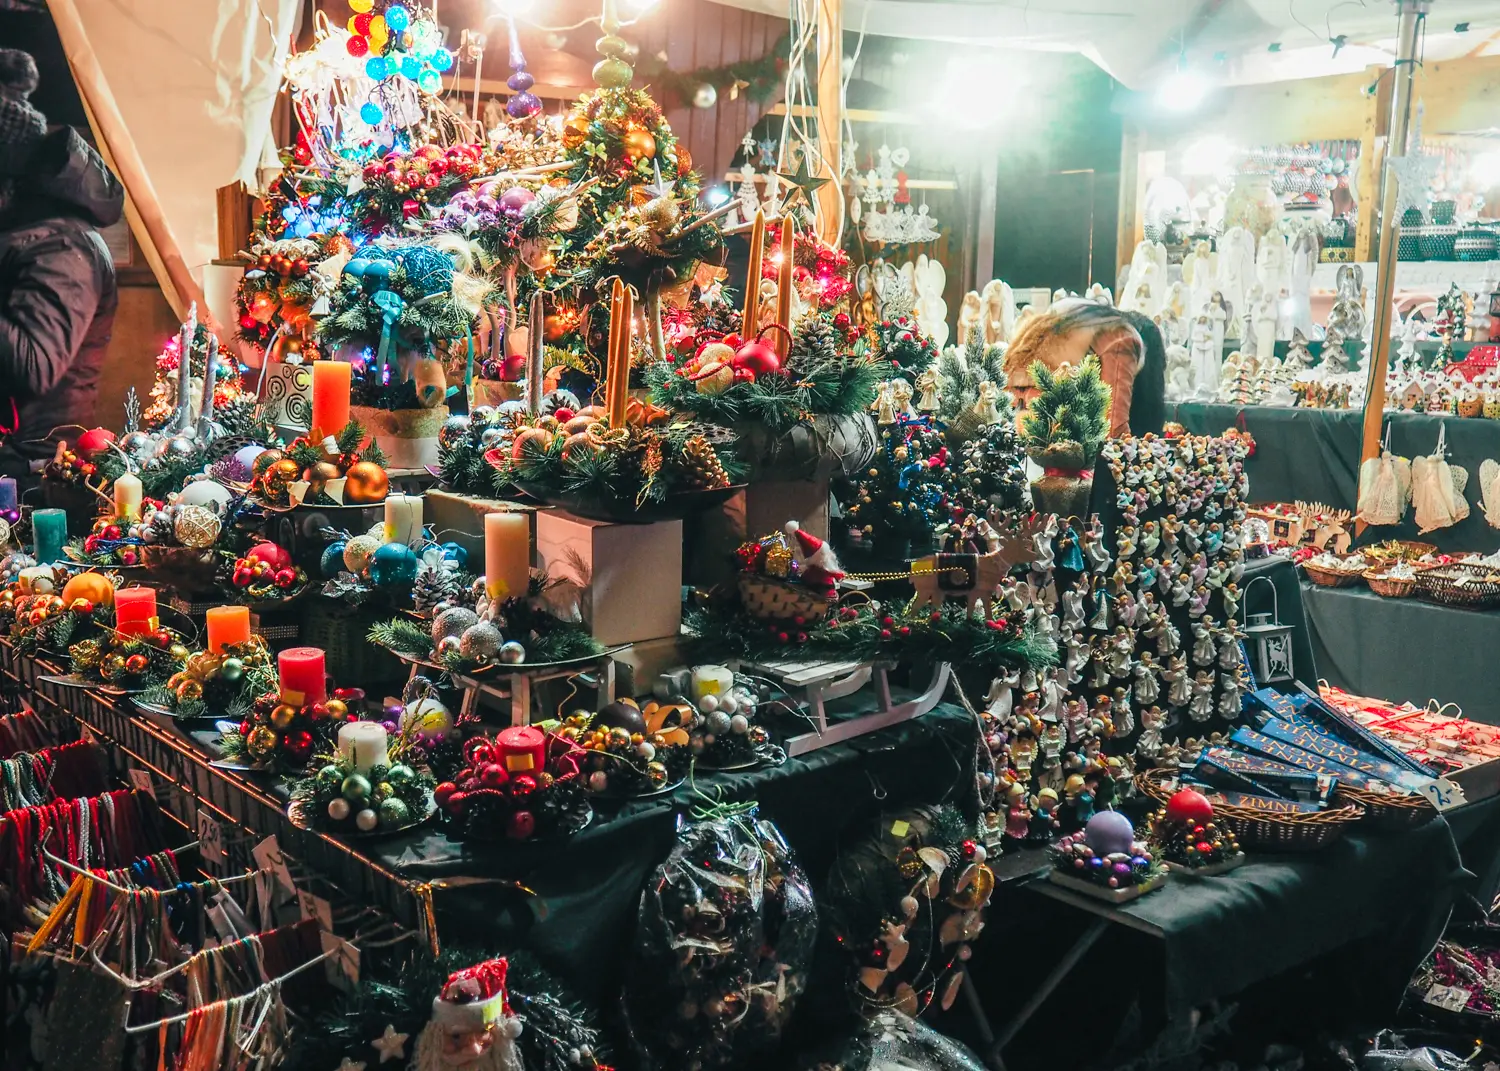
1063, 431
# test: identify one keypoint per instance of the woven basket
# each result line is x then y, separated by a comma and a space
1388, 812
1440, 585
776, 600
1397, 550
186, 570
1301, 832
353, 661
1392, 587
1330, 578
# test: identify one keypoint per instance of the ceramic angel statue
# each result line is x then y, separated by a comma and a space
1229, 648
1147, 687
1072, 607
927, 390
1179, 687
901, 395
1263, 320
1271, 264
986, 408
1201, 705
884, 404
1229, 696
1199, 271
1094, 550
1179, 373
968, 318
1121, 713
1121, 647
997, 312
1207, 359
1098, 292
1152, 720
1203, 642
1236, 269
999, 700
1304, 260
928, 280
1098, 667
1076, 658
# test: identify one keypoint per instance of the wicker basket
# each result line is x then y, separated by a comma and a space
1392, 587
1330, 578
186, 570
1441, 585
343, 634
775, 600
1384, 811
1300, 832
1397, 550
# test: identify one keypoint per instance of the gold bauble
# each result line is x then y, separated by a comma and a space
280, 473
575, 129
196, 527
318, 475
261, 742
365, 482
660, 214
178, 652
639, 144
282, 716
264, 460
112, 666
338, 710
612, 73
190, 690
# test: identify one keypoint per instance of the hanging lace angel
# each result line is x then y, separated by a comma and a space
1437, 488
1384, 486
1489, 490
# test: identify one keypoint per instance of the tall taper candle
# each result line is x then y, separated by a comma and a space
49, 529
535, 349
748, 324
210, 377
616, 384
185, 371
784, 285
507, 554
128, 496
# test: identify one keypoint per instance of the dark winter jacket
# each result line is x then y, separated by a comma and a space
57, 293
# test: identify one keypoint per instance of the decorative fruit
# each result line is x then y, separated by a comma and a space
274, 556
365, 482
1189, 805
95, 587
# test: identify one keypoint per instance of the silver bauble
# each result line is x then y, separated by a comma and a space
560, 399
178, 447
705, 96
481, 642
512, 653
448, 647
492, 438
718, 723
136, 443
483, 415
453, 431
453, 622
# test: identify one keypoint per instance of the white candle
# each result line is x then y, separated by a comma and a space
128, 496
711, 680
210, 377
507, 554
362, 745
403, 520
36, 580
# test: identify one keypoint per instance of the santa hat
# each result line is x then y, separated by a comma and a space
816, 563
475, 998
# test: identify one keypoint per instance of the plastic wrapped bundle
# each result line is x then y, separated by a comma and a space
891, 1041
724, 938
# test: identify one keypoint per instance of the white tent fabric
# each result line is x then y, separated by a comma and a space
195, 83
1136, 40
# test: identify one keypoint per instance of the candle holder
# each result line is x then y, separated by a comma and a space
282, 737
353, 799
214, 684
134, 662
634, 752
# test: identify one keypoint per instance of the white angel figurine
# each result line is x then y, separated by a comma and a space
985, 408
927, 390
884, 404
901, 395
1201, 706
968, 318
1206, 360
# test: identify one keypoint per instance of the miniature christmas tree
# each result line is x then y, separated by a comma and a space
960, 373
992, 473
1239, 387
1070, 416
905, 496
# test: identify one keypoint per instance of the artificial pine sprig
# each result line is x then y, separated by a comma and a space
1072, 407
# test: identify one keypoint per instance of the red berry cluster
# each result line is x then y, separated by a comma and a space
485, 779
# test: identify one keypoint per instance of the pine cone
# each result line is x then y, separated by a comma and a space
704, 470
815, 342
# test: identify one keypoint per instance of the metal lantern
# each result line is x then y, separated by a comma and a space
1269, 640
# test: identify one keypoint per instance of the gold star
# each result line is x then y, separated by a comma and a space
805, 183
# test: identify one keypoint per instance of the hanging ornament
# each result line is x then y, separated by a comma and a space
705, 96
523, 104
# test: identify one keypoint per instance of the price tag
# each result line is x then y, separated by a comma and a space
900, 828
1443, 793
141, 779
315, 907
267, 855
210, 837
342, 964
1448, 997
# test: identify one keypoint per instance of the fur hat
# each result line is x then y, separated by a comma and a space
20, 123
18, 74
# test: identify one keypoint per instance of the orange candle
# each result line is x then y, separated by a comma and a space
227, 625
752, 277
135, 611
784, 285
330, 398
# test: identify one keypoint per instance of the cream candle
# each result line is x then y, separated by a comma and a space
128, 496
362, 744
507, 554
403, 520
36, 580
711, 680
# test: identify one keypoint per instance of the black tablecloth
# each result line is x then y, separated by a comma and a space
1405, 650
1313, 455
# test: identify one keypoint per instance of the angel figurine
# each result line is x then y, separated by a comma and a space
1124, 717
1182, 590
1152, 720
1179, 688
1052, 696
1168, 639
901, 394
1198, 605
1072, 607
1203, 642
1150, 538
1147, 687
1229, 646
1121, 646
1125, 543
884, 405
1094, 550
1076, 658
1098, 665
1197, 568
1201, 705
1231, 600
927, 386
999, 700
1100, 620
985, 409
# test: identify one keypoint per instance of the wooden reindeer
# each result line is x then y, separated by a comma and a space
976, 577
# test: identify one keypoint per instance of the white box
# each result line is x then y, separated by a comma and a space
631, 574
458, 518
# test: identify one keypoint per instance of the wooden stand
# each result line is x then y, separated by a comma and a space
515, 688
819, 682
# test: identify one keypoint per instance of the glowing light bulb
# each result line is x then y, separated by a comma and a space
1182, 91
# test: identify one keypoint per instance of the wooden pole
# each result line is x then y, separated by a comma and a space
830, 106
1412, 12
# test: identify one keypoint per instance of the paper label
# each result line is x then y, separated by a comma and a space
141, 779
210, 837
1443, 793
1448, 997
315, 907
900, 829
342, 965
267, 855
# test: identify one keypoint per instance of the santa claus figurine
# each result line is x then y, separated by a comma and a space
816, 565
472, 1024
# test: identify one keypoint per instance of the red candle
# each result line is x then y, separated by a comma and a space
135, 611
304, 679
523, 748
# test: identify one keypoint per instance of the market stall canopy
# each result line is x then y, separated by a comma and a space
1137, 40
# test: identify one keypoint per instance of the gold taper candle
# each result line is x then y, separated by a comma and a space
616, 384
784, 285
748, 326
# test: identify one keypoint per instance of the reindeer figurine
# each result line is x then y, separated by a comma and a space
976, 577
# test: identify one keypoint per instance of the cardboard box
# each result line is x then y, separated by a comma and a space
630, 575
456, 518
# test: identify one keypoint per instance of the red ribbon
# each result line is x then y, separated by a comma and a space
1081, 474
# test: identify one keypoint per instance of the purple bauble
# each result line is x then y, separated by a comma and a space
515, 199
520, 82
1109, 832
523, 105
244, 458
487, 205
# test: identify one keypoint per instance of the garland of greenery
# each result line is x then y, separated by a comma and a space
901, 632
160, 477
779, 402
903, 345
59, 630
560, 1033
758, 79
217, 685
547, 638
